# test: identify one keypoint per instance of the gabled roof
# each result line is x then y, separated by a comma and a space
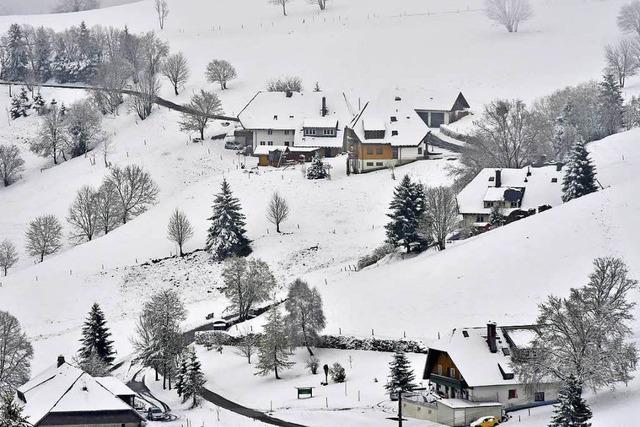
534, 186
431, 99
66, 388
278, 111
401, 124
469, 351
115, 386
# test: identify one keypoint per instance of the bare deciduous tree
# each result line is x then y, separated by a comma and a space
248, 344
179, 230
112, 76
43, 236
52, 137
220, 71
629, 17
147, 87
586, 335
83, 125
15, 354
204, 104
247, 282
163, 11
108, 207
65, 6
84, 214
322, 4
11, 164
282, 3
441, 214
176, 69
8, 255
510, 13
285, 84
278, 210
135, 189
621, 61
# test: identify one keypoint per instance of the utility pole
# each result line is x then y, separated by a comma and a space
399, 407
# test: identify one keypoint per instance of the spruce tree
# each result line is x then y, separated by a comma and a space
400, 373
611, 105
273, 349
193, 380
497, 218
571, 409
16, 60
181, 376
11, 412
96, 337
316, 170
226, 233
407, 209
580, 174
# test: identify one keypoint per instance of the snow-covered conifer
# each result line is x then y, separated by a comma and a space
407, 209
611, 105
316, 170
400, 374
193, 380
273, 353
580, 174
11, 412
96, 338
227, 234
571, 409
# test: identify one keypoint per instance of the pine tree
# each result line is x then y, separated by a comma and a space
316, 170
14, 65
400, 375
407, 209
11, 413
273, 350
181, 376
16, 109
580, 175
39, 104
611, 105
571, 409
193, 380
226, 233
497, 218
96, 337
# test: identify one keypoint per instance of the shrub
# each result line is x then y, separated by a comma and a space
338, 374
313, 363
377, 254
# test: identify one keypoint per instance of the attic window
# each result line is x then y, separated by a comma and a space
394, 133
394, 119
465, 334
398, 98
554, 179
291, 117
275, 117
506, 351
492, 178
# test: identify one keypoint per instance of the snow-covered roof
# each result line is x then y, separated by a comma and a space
401, 124
536, 186
276, 110
66, 388
461, 403
470, 352
115, 386
423, 99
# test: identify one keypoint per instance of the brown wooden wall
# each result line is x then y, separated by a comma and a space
446, 362
387, 151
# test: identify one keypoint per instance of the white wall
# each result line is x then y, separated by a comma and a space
278, 137
501, 394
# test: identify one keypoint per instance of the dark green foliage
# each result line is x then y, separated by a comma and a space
580, 174
571, 409
11, 412
226, 233
407, 208
338, 374
96, 337
611, 105
400, 373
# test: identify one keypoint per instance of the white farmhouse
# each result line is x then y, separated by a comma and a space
293, 119
515, 192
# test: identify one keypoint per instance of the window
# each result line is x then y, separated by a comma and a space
419, 150
513, 394
261, 142
538, 396
488, 204
328, 132
554, 179
465, 334
286, 143
398, 98
439, 369
379, 164
394, 133
369, 150
379, 150
452, 372
286, 131
270, 132
369, 163
275, 117
394, 119
479, 218
374, 134
492, 178
270, 143
309, 131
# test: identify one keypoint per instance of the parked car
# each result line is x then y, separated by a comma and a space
485, 422
155, 414
231, 144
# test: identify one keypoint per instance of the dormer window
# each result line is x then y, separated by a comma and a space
398, 98
275, 117
394, 133
492, 178
270, 132
394, 119
554, 180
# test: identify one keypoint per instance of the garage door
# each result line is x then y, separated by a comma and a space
437, 119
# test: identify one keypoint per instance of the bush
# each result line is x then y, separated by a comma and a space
375, 256
215, 339
338, 374
372, 344
313, 363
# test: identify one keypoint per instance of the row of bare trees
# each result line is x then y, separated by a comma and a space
322, 4
623, 56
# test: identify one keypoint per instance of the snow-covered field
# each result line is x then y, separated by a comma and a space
360, 47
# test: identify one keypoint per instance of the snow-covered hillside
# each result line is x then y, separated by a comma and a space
358, 47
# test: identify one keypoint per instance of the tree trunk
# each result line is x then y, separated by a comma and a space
278, 227
175, 88
41, 256
309, 350
284, 8
155, 368
5, 275
181, 253
202, 134
164, 376
275, 368
221, 84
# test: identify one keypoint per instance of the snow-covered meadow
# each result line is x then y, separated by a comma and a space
359, 47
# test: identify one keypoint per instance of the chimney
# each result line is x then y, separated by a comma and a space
289, 94
492, 337
498, 178
60, 361
324, 106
